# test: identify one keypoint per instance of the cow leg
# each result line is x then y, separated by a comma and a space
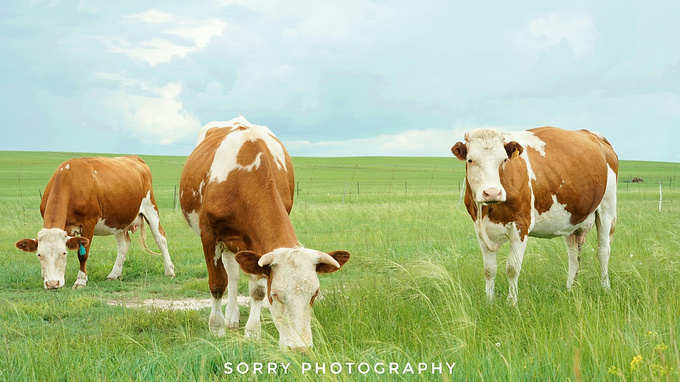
150, 212
123, 240
257, 287
605, 221
574, 251
81, 280
490, 267
232, 313
217, 282
514, 265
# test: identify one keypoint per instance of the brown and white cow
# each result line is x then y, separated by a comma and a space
236, 192
544, 182
94, 196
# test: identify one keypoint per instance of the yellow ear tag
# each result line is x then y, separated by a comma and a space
515, 154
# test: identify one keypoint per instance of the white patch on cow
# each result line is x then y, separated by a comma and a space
101, 229
226, 154
225, 159
493, 235
68, 166
81, 280
557, 221
193, 219
526, 139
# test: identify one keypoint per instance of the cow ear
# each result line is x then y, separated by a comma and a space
332, 261
74, 243
459, 150
248, 261
27, 245
513, 149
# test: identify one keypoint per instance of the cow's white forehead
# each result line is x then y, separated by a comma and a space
296, 257
484, 141
51, 235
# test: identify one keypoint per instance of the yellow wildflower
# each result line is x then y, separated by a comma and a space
636, 362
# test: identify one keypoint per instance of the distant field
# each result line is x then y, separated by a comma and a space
412, 293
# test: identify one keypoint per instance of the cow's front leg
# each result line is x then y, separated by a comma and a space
258, 289
83, 253
217, 282
232, 313
514, 265
490, 267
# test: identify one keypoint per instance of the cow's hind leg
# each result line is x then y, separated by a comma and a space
123, 240
232, 312
606, 222
574, 246
150, 211
257, 288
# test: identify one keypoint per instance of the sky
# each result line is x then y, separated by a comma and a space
337, 78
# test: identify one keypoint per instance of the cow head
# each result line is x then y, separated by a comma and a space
292, 286
51, 246
486, 154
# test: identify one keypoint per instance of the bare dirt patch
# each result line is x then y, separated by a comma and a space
182, 304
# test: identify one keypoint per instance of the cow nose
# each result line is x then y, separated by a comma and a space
492, 195
52, 284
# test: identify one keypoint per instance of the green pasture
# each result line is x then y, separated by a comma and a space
412, 293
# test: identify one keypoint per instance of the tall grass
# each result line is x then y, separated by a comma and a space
413, 291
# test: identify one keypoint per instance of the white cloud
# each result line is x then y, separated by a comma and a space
153, 115
152, 17
156, 49
416, 142
580, 32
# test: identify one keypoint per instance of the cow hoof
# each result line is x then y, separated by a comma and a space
170, 274
217, 331
112, 278
78, 286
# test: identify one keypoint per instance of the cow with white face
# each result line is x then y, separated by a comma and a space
236, 191
94, 196
544, 182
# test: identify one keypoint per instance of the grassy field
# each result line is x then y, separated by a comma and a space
412, 293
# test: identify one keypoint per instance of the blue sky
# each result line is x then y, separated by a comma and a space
337, 78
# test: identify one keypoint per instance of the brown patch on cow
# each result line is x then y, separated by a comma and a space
578, 181
512, 272
258, 293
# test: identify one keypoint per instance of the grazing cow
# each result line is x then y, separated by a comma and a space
236, 192
544, 182
94, 196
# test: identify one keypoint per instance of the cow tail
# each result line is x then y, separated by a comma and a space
142, 238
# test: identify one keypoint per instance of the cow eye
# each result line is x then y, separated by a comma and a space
469, 160
313, 298
64, 253
274, 295
39, 255
505, 160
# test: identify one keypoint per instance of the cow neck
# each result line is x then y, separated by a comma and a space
56, 209
272, 231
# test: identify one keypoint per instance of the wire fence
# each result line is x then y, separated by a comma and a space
335, 205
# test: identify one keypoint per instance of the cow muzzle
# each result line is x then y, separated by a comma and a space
53, 284
493, 195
